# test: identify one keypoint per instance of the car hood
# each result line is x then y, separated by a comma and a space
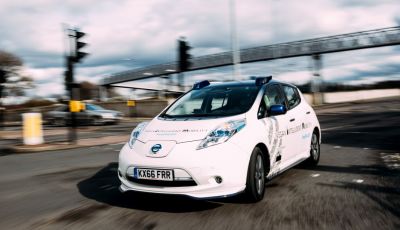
182, 130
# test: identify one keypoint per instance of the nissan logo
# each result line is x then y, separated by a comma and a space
156, 148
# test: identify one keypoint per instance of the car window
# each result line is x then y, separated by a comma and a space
93, 107
62, 109
272, 96
219, 101
292, 96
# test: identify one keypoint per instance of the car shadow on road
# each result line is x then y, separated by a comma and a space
103, 187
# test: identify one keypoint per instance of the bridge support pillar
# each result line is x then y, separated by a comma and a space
316, 81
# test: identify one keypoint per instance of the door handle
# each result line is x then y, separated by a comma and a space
308, 112
292, 119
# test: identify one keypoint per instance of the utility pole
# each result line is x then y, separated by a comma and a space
75, 56
234, 41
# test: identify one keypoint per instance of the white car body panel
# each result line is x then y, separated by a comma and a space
228, 160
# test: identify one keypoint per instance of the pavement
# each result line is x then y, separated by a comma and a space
355, 185
56, 138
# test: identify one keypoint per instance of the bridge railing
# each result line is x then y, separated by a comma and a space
337, 43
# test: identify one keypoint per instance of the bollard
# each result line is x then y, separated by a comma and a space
32, 128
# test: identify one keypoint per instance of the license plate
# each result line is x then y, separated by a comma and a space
153, 174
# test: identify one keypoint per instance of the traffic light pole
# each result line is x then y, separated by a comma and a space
69, 78
2, 110
74, 56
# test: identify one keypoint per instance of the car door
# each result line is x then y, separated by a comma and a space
275, 126
296, 116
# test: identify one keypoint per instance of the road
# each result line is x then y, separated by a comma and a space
355, 186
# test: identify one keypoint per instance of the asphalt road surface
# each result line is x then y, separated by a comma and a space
355, 186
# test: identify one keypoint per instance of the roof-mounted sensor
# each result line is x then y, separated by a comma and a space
201, 84
263, 80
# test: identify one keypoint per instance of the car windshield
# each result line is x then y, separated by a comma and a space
214, 101
93, 107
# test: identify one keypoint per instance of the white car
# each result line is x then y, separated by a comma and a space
222, 139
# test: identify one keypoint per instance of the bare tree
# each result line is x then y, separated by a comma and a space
12, 82
9, 64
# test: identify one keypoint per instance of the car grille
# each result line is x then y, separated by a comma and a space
163, 183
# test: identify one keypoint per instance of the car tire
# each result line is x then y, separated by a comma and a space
315, 150
97, 121
255, 184
59, 122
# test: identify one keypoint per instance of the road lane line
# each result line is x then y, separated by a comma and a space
337, 127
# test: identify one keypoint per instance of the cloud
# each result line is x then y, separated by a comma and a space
146, 32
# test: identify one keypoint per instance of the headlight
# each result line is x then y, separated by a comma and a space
136, 132
222, 133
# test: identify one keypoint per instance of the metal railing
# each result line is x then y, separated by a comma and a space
330, 44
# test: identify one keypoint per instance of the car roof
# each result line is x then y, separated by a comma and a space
242, 83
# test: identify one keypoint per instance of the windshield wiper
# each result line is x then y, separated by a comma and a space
192, 115
167, 116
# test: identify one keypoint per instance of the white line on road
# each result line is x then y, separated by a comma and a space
315, 175
337, 147
359, 181
337, 127
121, 143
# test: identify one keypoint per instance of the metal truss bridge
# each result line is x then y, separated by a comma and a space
338, 43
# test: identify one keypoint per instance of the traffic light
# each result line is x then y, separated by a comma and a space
69, 75
184, 56
79, 55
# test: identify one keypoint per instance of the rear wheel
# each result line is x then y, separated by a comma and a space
315, 150
255, 185
59, 122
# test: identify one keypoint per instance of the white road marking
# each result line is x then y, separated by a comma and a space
109, 188
118, 143
365, 148
337, 127
358, 181
105, 186
315, 175
337, 147
392, 160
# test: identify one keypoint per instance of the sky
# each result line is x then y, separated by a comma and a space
128, 34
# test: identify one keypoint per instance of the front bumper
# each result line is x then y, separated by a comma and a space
227, 161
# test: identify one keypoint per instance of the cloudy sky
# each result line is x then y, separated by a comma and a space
127, 34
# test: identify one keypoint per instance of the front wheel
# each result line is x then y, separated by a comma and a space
97, 121
255, 184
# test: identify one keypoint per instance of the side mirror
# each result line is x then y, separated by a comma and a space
276, 110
